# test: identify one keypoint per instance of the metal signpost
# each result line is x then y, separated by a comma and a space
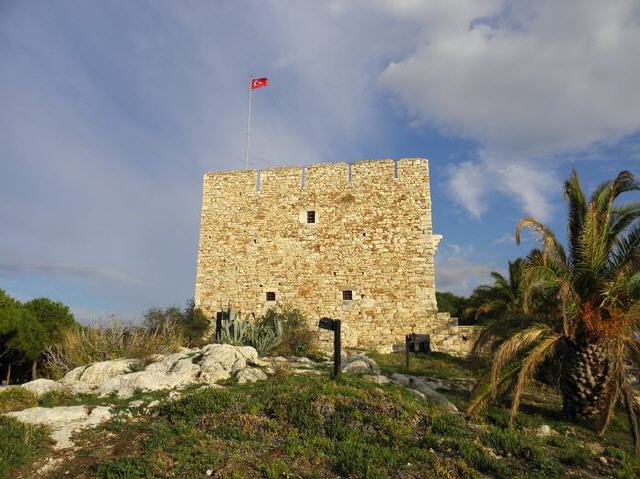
334, 325
415, 343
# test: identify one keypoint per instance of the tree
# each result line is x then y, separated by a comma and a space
451, 303
27, 329
29, 337
191, 322
502, 299
54, 317
592, 329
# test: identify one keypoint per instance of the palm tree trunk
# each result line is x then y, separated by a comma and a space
584, 381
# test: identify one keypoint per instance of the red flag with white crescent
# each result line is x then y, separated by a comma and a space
259, 83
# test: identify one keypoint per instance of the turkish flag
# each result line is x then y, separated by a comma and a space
258, 82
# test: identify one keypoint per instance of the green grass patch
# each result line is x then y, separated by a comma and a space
435, 365
19, 443
315, 427
16, 398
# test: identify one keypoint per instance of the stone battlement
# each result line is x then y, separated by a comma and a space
321, 175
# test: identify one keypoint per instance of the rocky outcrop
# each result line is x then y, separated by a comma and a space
63, 421
208, 365
42, 386
360, 364
426, 389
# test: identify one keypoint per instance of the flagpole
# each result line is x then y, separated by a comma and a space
246, 161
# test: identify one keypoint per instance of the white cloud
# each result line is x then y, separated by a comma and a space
457, 272
507, 238
527, 80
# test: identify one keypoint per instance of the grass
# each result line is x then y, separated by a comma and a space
16, 398
312, 426
19, 444
435, 365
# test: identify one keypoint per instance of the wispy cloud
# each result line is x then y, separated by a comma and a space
51, 269
457, 271
507, 238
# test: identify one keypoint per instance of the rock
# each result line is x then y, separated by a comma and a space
595, 448
377, 378
301, 360
403, 379
433, 395
417, 393
545, 430
425, 388
250, 375
126, 385
168, 362
73, 375
603, 460
211, 371
42, 386
152, 404
360, 364
135, 404
63, 421
230, 358
277, 359
86, 379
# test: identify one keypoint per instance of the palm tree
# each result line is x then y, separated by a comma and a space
593, 326
502, 298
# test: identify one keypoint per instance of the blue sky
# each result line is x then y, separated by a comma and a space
112, 111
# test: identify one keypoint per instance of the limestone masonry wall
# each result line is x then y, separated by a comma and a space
372, 236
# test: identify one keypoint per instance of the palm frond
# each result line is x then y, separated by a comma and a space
576, 211
622, 217
617, 378
535, 357
627, 251
484, 391
551, 247
512, 347
633, 412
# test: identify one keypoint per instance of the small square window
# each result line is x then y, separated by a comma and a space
271, 296
347, 295
311, 216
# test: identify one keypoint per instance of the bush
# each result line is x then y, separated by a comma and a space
20, 442
105, 342
297, 338
16, 398
191, 322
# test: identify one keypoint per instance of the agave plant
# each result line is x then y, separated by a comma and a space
596, 286
266, 335
236, 330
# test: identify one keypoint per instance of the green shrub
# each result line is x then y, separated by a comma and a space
297, 338
18, 444
16, 398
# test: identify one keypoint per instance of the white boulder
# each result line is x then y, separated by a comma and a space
250, 375
63, 421
360, 364
42, 386
85, 379
125, 386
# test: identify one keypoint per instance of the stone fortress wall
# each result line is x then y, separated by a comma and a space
371, 236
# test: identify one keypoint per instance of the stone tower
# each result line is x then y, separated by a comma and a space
348, 241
